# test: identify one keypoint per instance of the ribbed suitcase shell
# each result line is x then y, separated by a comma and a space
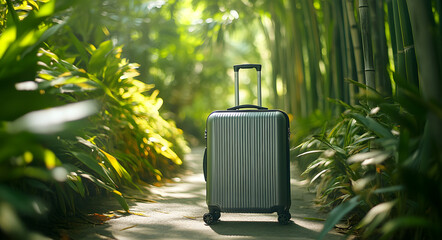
248, 161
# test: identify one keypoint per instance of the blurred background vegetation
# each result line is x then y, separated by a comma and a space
101, 95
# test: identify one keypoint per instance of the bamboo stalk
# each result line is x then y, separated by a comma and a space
291, 61
392, 31
310, 73
337, 58
317, 57
400, 57
348, 57
424, 35
366, 44
313, 46
322, 95
328, 40
408, 44
280, 59
306, 98
439, 11
270, 45
297, 70
342, 92
356, 41
383, 82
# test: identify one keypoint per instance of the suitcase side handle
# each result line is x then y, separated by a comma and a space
236, 71
205, 164
247, 106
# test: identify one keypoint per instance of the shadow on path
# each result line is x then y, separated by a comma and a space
175, 210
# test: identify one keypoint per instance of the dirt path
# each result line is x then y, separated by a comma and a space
175, 210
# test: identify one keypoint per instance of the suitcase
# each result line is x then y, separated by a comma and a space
246, 161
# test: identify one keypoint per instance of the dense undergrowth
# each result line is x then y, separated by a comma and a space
75, 123
378, 167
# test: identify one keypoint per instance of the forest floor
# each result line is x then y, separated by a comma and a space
174, 211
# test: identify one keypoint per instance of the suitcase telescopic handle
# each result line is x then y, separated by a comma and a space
236, 71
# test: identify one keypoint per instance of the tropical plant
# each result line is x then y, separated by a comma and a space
377, 166
68, 132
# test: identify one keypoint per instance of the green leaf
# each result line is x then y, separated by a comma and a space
78, 45
362, 86
372, 125
116, 165
53, 120
337, 214
75, 182
310, 152
376, 216
98, 59
340, 102
97, 181
368, 158
397, 188
7, 38
406, 222
44, 36
314, 165
46, 10
319, 174
93, 164
314, 219
121, 200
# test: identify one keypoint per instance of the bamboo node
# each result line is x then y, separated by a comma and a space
407, 48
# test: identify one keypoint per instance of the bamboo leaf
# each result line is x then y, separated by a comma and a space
116, 165
121, 200
97, 181
337, 214
379, 211
318, 175
405, 222
361, 140
363, 86
367, 158
397, 188
92, 163
372, 125
314, 165
310, 152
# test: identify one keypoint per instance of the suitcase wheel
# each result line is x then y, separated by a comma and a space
284, 218
211, 217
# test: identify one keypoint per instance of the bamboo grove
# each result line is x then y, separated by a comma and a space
317, 45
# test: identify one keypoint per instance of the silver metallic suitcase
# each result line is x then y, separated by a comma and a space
246, 162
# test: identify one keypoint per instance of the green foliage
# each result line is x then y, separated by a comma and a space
166, 39
379, 167
74, 122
